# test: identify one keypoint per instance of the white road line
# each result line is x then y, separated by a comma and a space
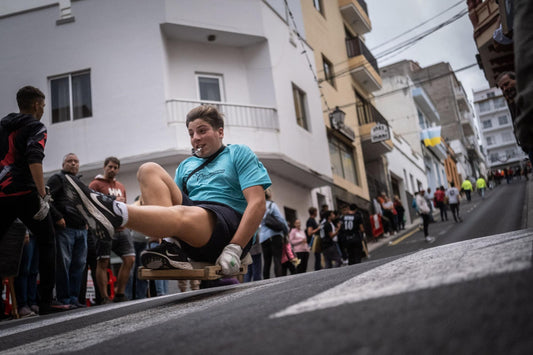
429, 268
91, 335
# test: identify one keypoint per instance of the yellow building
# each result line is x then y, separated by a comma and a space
348, 74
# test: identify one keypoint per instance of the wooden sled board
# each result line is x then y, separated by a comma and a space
207, 272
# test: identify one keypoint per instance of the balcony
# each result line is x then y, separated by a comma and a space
461, 98
355, 13
493, 59
363, 66
369, 117
235, 115
468, 124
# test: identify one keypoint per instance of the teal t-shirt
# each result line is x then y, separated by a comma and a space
223, 180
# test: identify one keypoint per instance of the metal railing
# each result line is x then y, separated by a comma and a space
234, 114
356, 47
367, 113
362, 3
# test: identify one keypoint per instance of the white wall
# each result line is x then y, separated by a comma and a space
121, 47
399, 109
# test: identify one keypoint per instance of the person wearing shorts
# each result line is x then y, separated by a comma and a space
122, 245
208, 212
122, 241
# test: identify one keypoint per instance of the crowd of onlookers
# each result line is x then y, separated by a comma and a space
334, 238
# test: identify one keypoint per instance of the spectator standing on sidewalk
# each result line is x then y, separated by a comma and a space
272, 240
255, 269
398, 206
298, 240
352, 231
71, 235
26, 280
121, 243
425, 211
312, 228
327, 235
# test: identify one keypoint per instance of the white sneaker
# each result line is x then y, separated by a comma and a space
430, 239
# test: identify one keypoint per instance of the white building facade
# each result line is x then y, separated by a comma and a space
120, 76
496, 127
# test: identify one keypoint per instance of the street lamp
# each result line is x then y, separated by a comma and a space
337, 118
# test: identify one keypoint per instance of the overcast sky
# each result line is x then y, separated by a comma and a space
453, 44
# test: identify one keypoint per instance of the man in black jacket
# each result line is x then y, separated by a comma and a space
71, 236
22, 188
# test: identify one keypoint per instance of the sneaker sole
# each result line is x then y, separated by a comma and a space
157, 261
96, 219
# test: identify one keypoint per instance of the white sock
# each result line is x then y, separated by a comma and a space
121, 209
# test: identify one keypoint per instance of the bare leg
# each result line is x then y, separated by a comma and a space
124, 273
162, 214
101, 277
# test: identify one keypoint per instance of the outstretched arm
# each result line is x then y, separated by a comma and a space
253, 214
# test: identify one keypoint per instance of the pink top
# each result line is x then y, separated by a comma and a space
287, 254
298, 240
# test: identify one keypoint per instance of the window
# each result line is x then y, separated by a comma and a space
422, 119
210, 87
493, 157
300, 106
490, 140
329, 75
484, 106
499, 102
507, 137
487, 124
342, 160
71, 97
503, 120
491, 94
318, 6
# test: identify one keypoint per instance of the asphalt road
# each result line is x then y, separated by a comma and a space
502, 210
469, 297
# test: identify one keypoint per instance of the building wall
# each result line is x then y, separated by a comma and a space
404, 162
127, 86
136, 67
398, 107
325, 34
503, 151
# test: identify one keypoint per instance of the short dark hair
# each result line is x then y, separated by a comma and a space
325, 214
27, 96
312, 210
510, 74
208, 113
353, 207
111, 159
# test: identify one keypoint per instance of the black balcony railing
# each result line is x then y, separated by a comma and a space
367, 113
356, 47
363, 5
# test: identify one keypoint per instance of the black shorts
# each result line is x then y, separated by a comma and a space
227, 222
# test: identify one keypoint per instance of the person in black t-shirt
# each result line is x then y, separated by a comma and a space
327, 234
351, 233
312, 228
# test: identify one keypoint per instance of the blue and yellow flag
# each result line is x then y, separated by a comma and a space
431, 136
